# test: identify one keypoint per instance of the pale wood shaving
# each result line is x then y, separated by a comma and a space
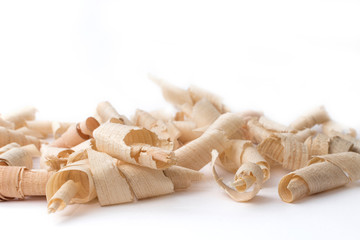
323, 173
315, 116
77, 134
164, 130
19, 182
273, 126
319, 145
182, 177
54, 158
256, 131
58, 128
71, 184
187, 131
248, 174
284, 149
9, 136
204, 113
173, 94
6, 124
134, 145
111, 185
20, 116
20, 156
197, 94
106, 112
146, 182
332, 128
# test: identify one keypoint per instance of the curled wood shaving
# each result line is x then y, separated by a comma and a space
182, 177
134, 145
146, 182
8, 147
54, 158
6, 124
256, 131
77, 134
315, 116
238, 152
111, 186
187, 130
42, 127
10, 136
204, 113
196, 154
71, 184
323, 173
19, 156
302, 135
58, 128
164, 130
19, 182
19, 117
338, 145
332, 128
197, 94
273, 126
248, 174
319, 145
173, 94
30, 132
106, 112
284, 149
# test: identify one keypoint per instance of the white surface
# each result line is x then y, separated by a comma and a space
281, 57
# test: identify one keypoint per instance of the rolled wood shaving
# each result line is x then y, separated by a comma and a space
338, 145
30, 132
319, 145
71, 184
19, 117
146, 182
204, 113
20, 156
256, 131
106, 112
54, 158
6, 124
42, 127
164, 130
111, 186
196, 154
315, 116
77, 134
134, 145
182, 177
9, 136
58, 128
323, 173
332, 128
273, 126
187, 130
197, 94
238, 152
173, 94
284, 149
19, 182
252, 172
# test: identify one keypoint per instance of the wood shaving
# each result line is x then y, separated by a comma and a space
323, 173
117, 160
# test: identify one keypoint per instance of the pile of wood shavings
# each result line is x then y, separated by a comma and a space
117, 160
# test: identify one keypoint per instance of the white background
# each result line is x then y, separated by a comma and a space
280, 57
